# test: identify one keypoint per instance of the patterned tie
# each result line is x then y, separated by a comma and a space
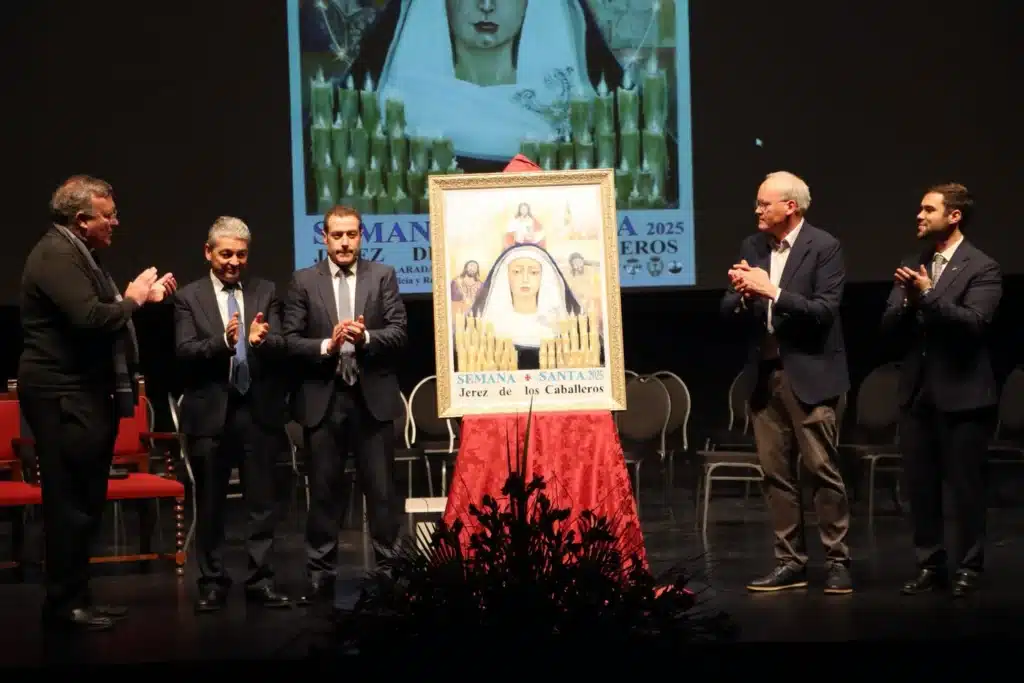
347, 367
938, 265
240, 363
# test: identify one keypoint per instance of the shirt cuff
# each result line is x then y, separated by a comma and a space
226, 342
323, 347
366, 336
778, 293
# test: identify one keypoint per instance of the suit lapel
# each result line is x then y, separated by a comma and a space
953, 269
796, 256
764, 262
325, 286
250, 305
362, 289
207, 299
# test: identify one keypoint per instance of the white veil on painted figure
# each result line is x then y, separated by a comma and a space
555, 301
487, 122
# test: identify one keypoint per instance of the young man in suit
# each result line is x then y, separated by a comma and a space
941, 310
345, 321
786, 288
76, 379
229, 348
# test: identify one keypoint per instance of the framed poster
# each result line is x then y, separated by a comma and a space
527, 313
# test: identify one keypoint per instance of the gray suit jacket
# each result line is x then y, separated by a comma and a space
310, 314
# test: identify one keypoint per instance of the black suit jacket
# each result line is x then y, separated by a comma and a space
204, 358
68, 329
310, 314
945, 336
806, 316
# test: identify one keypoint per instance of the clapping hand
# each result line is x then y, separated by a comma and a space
913, 282
751, 281
355, 331
258, 330
231, 331
162, 288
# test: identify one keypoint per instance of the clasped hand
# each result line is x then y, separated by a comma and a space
750, 281
351, 331
913, 282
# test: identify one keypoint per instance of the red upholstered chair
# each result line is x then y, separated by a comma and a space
15, 494
138, 446
132, 450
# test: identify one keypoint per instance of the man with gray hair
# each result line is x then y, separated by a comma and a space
76, 379
229, 349
787, 288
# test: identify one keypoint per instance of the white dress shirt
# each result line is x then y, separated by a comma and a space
778, 263
350, 279
222, 305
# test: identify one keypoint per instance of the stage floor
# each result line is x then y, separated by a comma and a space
162, 626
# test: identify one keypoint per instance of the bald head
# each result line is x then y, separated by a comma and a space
782, 201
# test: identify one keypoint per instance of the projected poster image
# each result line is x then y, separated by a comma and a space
386, 93
526, 293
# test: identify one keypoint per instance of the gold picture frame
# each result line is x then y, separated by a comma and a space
527, 308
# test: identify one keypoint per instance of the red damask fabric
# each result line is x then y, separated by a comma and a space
578, 454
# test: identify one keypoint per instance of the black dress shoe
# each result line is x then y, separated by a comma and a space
782, 578
266, 596
115, 612
79, 620
965, 582
212, 599
318, 590
838, 581
927, 581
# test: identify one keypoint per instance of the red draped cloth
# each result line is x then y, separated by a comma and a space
578, 454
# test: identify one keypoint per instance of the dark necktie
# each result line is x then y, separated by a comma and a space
239, 363
347, 367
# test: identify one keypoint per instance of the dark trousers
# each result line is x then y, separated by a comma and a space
791, 435
951, 447
74, 434
349, 431
252, 448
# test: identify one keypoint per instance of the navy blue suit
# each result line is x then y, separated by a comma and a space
948, 394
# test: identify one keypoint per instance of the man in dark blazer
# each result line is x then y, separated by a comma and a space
941, 310
345, 321
227, 330
786, 289
76, 379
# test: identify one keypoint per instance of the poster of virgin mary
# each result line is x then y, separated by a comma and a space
526, 293
527, 301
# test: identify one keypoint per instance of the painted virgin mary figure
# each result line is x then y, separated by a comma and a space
485, 73
524, 297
